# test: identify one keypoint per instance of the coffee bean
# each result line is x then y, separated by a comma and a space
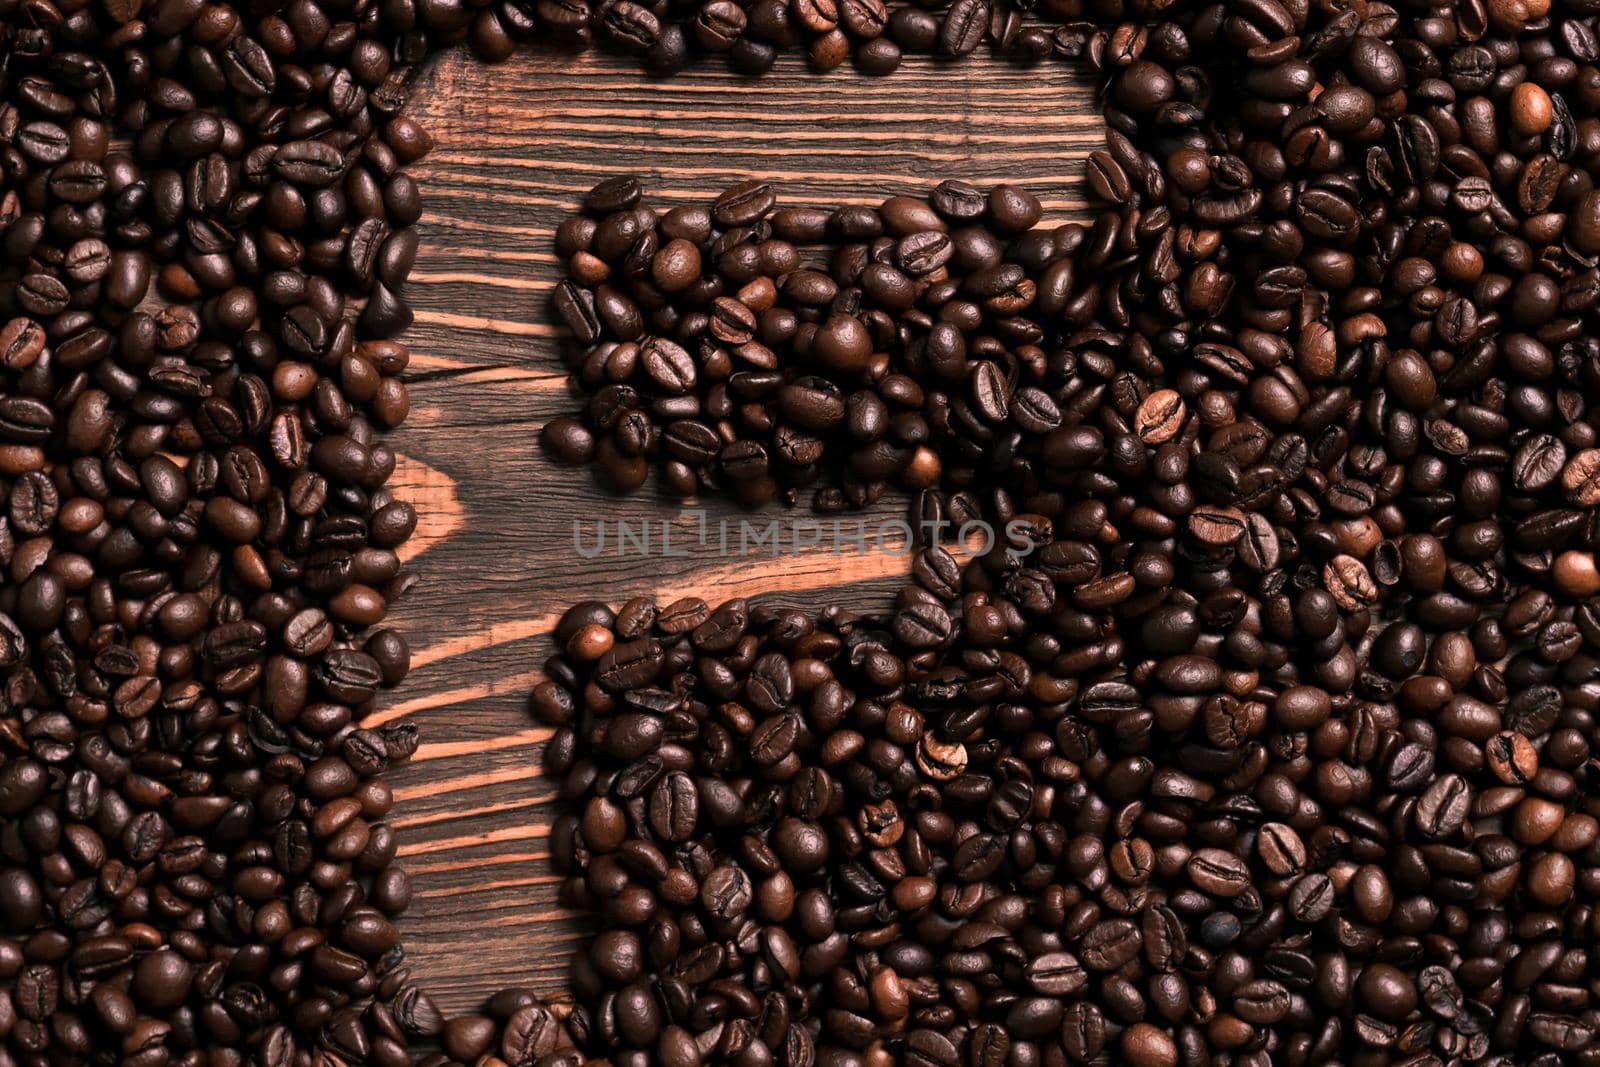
1311, 898
965, 24
726, 893
1217, 526
1281, 849
1109, 945
1442, 807
990, 392
1160, 417
671, 369
1056, 974
1107, 178
1512, 758
1218, 872
743, 204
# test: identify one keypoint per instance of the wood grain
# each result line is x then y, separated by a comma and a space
517, 145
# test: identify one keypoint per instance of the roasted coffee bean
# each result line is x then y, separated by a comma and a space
1056, 974
965, 24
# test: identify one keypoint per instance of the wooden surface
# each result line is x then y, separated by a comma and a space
517, 145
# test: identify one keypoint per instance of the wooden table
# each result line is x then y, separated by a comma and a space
517, 146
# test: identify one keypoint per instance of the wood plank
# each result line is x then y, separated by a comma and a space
517, 145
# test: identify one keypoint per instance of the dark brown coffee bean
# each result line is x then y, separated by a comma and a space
309, 163
965, 24
1056, 974
743, 204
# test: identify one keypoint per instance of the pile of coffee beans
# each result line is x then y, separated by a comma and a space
902, 349
1265, 733
1263, 736
198, 546
749, 36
